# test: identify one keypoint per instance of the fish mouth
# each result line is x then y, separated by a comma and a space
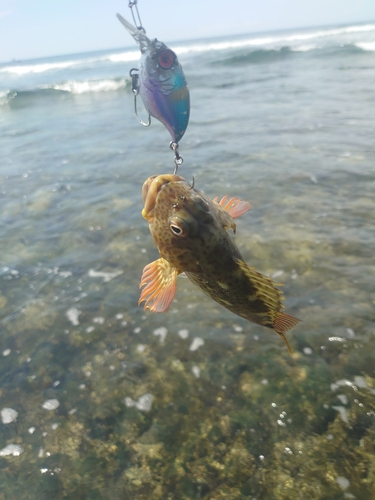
150, 190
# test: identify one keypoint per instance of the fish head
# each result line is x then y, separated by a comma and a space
182, 220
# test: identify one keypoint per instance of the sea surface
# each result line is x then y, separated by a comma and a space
102, 400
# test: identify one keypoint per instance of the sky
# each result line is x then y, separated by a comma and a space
40, 28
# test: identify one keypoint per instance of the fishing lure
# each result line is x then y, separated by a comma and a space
161, 83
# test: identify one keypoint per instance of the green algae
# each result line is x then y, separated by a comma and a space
237, 418
254, 424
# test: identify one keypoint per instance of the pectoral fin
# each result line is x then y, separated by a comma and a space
234, 206
159, 282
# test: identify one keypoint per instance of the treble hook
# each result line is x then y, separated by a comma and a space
178, 160
135, 89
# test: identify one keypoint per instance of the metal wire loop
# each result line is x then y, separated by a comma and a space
137, 22
178, 160
135, 80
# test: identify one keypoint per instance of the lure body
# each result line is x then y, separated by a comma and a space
162, 84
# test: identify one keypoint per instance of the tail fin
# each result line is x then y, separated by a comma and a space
282, 324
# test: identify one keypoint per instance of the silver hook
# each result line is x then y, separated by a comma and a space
135, 89
136, 114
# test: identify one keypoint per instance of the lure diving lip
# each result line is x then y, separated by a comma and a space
161, 83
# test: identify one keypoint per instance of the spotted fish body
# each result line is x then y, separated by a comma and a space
190, 232
162, 83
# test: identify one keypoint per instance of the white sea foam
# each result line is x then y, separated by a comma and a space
51, 404
343, 482
251, 41
76, 87
196, 344
144, 403
8, 415
107, 276
161, 332
305, 48
73, 314
183, 333
6, 96
367, 46
343, 414
11, 449
269, 40
124, 57
23, 69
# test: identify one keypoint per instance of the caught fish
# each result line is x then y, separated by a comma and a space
190, 232
161, 83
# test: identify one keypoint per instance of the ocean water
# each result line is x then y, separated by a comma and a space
101, 400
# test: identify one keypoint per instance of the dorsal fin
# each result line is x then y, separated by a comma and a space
265, 288
271, 297
234, 206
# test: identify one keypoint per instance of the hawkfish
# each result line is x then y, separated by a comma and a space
190, 232
161, 83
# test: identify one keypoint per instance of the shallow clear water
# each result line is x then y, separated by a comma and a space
113, 402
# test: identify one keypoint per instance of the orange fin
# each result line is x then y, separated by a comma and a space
234, 206
282, 324
159, 282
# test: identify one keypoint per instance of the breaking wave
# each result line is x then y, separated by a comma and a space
70, 87
24, 69
366, 46
285, 38
6, 96
258, 56
76, 87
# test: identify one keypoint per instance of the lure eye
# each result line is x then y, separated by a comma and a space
166, 59
178, 227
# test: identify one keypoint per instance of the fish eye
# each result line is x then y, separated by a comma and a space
178, 227
166, 58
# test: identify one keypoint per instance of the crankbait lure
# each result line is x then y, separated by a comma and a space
161, 83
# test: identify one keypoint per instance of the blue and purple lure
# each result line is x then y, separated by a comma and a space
161, 83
